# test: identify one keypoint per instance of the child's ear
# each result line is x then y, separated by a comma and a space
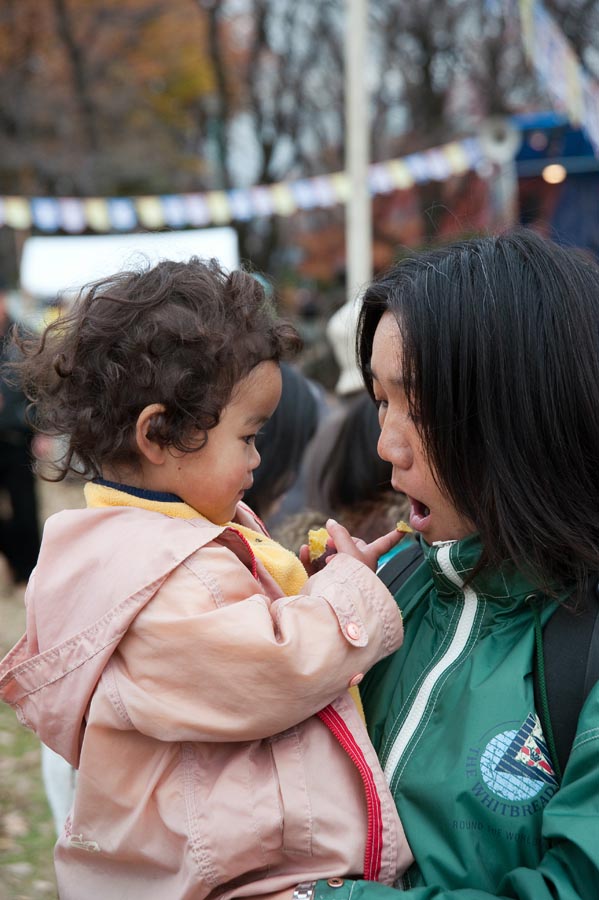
150, 449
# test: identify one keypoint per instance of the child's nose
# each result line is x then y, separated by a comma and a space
255, 458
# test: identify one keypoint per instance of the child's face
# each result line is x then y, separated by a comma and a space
432, 513
213, 479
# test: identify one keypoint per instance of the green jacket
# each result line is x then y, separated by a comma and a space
452, 717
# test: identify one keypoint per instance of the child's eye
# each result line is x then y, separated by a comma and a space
250, 438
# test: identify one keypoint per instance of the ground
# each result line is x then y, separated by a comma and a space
26, 830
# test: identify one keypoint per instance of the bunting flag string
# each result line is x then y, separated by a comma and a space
570, 87
104, 214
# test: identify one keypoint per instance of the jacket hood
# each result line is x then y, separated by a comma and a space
77, 613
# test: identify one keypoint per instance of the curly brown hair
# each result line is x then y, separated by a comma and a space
181, 334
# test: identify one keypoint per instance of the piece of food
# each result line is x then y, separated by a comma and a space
403, 526
317, 542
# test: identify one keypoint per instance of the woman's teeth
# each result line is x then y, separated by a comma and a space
420, 509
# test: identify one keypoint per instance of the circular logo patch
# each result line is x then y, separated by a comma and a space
515, 765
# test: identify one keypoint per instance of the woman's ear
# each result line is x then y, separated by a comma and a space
154, 452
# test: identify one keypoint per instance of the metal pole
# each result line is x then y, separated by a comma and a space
358, 218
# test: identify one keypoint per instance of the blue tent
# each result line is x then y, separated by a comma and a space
571, 208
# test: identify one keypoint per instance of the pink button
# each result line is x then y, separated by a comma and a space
352, 631
356, 679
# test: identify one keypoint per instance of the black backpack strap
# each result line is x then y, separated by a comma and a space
394, 573
570, 662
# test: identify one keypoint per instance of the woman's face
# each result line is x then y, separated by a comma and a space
431, 512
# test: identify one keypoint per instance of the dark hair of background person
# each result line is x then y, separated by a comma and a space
181, 334
282, 441
500, 364
19, 523
350, 469
345, 476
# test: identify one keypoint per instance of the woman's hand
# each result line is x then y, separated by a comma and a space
341, 541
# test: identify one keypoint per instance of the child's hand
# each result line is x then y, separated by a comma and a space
341, 541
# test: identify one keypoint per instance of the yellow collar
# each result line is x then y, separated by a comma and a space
102, 495
281, 564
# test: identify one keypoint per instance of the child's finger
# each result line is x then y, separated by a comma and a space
340, 537
304, 555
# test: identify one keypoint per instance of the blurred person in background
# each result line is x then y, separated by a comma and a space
345, 478
278, 489
341, 336
19, 527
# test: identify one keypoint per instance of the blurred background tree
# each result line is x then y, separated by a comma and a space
100, 97
121, 97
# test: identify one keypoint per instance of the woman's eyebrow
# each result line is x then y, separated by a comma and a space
395, 380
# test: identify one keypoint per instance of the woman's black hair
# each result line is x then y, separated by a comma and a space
500, 364
282, 441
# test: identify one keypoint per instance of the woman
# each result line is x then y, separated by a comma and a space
483, 359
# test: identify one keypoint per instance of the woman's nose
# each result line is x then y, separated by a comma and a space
394, 447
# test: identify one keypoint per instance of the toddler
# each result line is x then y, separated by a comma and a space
179, 658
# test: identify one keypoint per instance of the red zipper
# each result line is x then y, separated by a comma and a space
374, 838
249, 547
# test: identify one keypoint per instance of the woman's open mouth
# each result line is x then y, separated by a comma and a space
419, 514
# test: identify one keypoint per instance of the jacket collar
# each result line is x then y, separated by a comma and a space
452, 564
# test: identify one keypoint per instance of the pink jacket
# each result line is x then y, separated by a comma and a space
159, 657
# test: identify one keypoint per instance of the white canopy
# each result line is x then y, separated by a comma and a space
62, 265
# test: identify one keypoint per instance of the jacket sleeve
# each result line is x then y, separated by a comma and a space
211, 659
569, 870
